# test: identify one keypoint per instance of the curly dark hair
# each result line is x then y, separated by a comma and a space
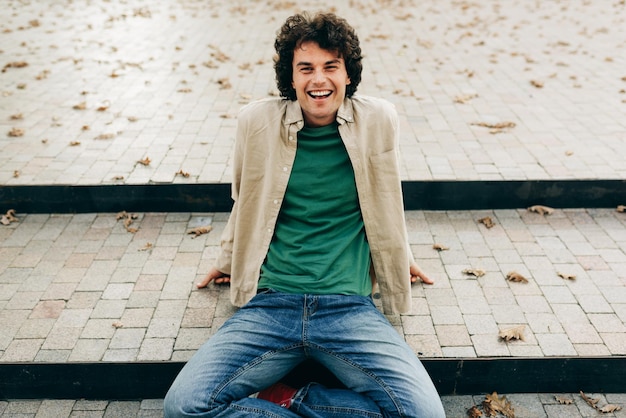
330, 32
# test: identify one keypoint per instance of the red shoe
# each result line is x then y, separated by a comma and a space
279, 394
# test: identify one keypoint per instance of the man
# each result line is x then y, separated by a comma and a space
317, 221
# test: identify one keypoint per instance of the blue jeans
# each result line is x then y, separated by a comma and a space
275, 332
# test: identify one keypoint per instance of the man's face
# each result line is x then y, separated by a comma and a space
320, 79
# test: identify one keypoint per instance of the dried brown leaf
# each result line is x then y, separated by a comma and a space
200, 231
9, 217
540, 209
224, 83
16, 132
621, 208
464, 99
146, 247
17, 116
74, 143
536, 83
564, 400
494, 404
15, 64
487, 221
80, 106
146, 161
182, 173
607, 409
105, 136
498, 125
474, 272
592, 402
514, 276
474, 412
515, 333
440, 247
567, 276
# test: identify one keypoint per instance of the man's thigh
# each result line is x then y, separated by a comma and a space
369, 356
251, 351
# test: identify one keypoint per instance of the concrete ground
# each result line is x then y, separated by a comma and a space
485, 91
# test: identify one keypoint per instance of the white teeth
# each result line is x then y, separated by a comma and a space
320, 93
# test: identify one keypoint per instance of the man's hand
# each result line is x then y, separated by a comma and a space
417, 273
214, 275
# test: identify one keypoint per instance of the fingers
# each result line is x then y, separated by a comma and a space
418, 274
222, 280
213, 275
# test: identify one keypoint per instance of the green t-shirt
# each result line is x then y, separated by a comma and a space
319, 244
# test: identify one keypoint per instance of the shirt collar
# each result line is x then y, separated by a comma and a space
293, 113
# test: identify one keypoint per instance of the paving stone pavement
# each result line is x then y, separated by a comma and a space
88, 89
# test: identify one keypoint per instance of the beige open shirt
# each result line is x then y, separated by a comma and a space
265, 149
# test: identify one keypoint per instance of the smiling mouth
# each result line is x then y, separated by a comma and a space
320, 94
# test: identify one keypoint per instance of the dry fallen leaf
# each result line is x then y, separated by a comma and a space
621, 208
515, 333
474, 272
535, 83
16, 132
182, 173
564, 400
464, 99
474, 412
74, 143
80, 106
592, 402
9, 217
105, 136
117, 325
146, 161
17, 116
567, 276
15, 64
200, 230
494, 404
440, 247
128, 220
540, 209
487, 221
607, 409
224, 83
514, 276
118, 178
146, 247
498, 125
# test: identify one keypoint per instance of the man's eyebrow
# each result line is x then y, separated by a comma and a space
307, 64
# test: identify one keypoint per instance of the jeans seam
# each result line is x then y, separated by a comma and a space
241, 370
366, 372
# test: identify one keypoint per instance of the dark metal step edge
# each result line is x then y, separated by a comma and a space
418, 195
150, 380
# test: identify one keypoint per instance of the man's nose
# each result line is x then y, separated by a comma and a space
318, 76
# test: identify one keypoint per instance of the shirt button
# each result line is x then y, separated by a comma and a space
291, 138
269, 229
275, 201
285, 169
